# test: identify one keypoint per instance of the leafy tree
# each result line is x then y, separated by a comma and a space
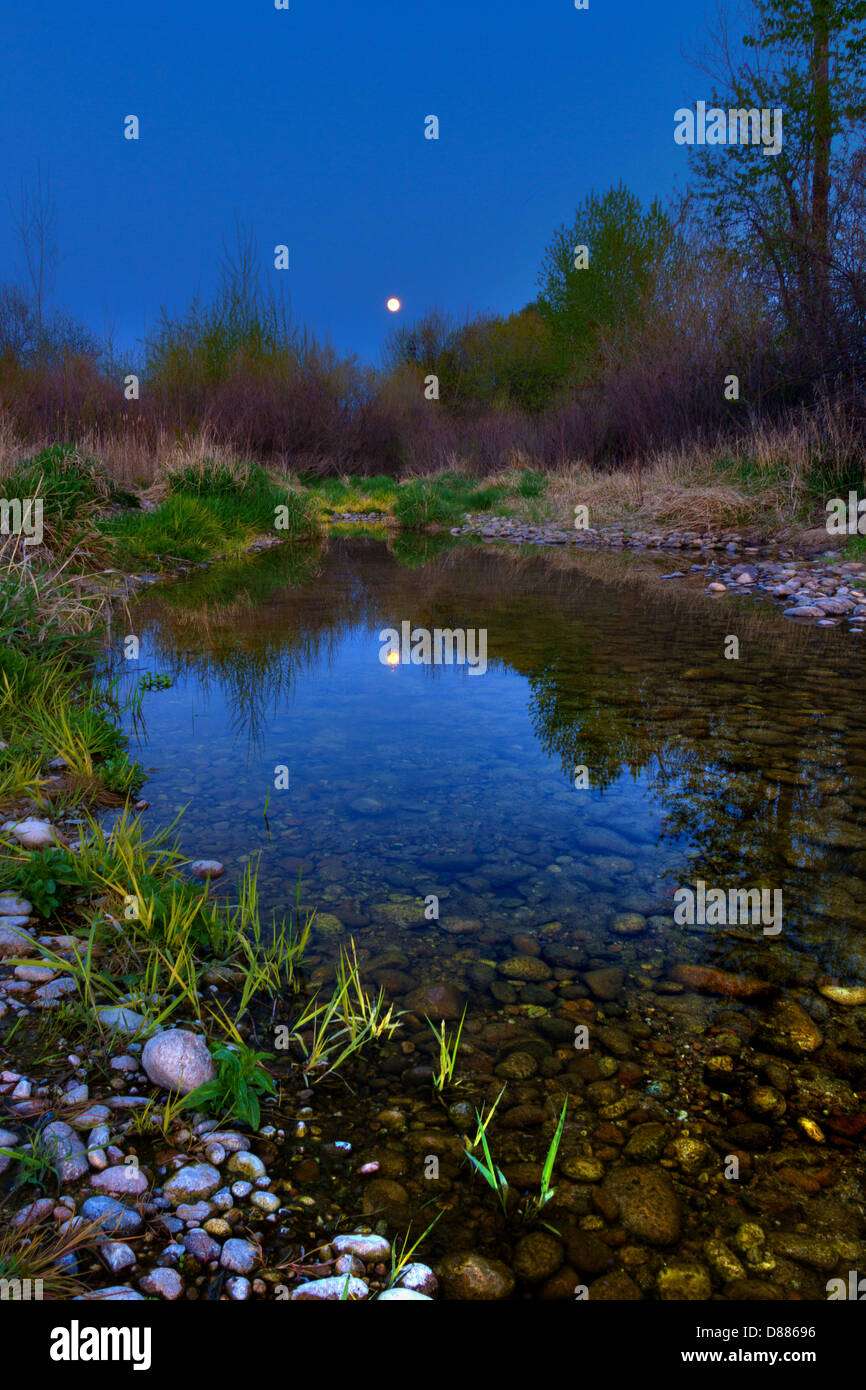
513, 361
627, 248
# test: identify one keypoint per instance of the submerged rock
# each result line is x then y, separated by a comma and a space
648, 1205
789, 1029
850, 996
470, 1276
537, 1256
708, 981
440, 1002
207, 868
605, 983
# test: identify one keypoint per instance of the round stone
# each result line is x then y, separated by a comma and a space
471, 1276
177, 1060
193, 1183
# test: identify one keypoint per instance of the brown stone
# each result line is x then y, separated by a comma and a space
705, 980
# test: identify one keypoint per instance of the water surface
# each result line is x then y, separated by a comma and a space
413, 783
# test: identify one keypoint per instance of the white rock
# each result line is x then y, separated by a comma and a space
64, 1145
118, 1293
35, 974
231, 1141
193, 1183
177, 1060
8, 1140
247, 1164
240, 1256
120, 1020
333, 1289
13, 906
265, 1201
370, 1249
117, 1255
15, 939
165, 1283
123, 1180
31, 833
93, 1115
403, 1296
418, 1278
55, 989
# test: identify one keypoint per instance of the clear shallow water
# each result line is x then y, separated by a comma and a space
413, 781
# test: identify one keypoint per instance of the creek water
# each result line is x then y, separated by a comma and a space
548, 810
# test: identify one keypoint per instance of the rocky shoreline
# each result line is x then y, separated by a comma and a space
821, 589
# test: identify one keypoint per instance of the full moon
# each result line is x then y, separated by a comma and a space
393, 304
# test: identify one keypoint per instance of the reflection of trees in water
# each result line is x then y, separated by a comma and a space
600, 695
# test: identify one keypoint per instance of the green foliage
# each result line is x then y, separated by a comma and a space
117, 774
380, 485
182, 528
243, 326
92, 727
421, 503
70, 483
628, 248
297, 516
46, 877
536, 1204
748, 473
855, 548
243, 494
448, 1049
532, 484
235, 1090
37, 1164
21, 674
506, 362
442, 501
829, 475
414, 549
150, 681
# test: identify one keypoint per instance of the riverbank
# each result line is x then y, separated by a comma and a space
133, 1089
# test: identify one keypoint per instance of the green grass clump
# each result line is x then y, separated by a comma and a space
443, 501
182, 528
73, 487
420, 504
380, 485
212, 509
531, 484
854, 548
236, 495
297, 516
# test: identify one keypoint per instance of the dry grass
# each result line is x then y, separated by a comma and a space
763, 480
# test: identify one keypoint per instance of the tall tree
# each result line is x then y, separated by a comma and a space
583, 292
786, 211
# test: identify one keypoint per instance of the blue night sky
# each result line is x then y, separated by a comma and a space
308, 125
